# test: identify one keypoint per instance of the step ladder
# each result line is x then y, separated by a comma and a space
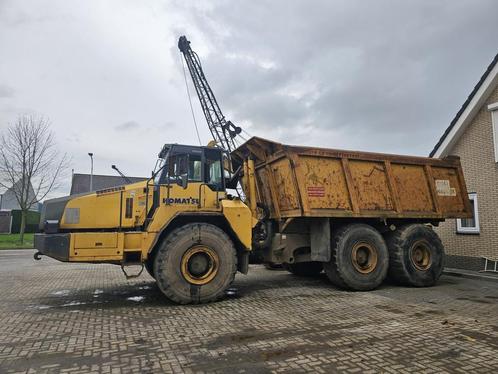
490, 265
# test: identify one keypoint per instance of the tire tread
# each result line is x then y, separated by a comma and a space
395, 241
340, 272
167, 288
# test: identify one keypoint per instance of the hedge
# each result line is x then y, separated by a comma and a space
32, 221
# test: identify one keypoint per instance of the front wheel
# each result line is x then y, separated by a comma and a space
149, 266
195, 264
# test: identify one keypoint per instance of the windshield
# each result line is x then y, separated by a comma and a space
198, 165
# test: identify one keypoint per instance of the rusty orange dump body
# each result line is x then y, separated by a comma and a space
294, 181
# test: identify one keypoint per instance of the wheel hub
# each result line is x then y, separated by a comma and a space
199, 265
364, 257
420, 255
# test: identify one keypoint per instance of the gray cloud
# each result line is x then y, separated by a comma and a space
127, 126
6, 91
392, 73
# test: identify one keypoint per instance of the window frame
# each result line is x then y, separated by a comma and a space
219, 153
165, 178
493, 108
470, 230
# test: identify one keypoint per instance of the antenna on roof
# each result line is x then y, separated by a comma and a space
122, 175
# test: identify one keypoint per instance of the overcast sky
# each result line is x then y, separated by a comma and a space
382, 76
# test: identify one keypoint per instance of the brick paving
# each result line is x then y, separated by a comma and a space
80, 318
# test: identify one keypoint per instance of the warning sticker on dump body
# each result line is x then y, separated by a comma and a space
443, 188
316, 191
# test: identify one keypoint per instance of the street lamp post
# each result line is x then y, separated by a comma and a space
91, 171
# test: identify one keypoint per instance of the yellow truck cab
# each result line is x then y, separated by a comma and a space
181, 224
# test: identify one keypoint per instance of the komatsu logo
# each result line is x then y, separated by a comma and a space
181, 200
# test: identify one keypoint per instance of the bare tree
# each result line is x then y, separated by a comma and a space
30, 164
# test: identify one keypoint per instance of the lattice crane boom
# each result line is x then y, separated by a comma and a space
223, 132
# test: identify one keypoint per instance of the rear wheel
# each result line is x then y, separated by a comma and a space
196, 263
416, 255
359, 259
305, 269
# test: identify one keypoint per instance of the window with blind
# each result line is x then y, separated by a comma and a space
470, 225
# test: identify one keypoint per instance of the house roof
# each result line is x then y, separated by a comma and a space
81, 182
469, 108
8, 199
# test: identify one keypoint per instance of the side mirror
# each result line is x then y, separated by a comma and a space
182, 181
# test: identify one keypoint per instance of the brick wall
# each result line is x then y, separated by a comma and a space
476, 150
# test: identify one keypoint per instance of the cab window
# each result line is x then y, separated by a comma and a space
176, 168
213, 170
183, 164
195, 168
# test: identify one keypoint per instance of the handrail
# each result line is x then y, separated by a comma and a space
199, 205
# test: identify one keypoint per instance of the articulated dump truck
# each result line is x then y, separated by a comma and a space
356, 216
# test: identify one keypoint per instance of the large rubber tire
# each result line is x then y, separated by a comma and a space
406, 267
168, 264
149, 266
305, 269
364, 276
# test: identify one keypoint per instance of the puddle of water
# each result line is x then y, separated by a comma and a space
39, 307
61, 293
137, 299
73, 303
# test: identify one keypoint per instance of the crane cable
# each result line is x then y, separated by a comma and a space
249, 135
190, 101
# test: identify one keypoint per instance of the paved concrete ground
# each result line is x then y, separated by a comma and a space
58, 317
